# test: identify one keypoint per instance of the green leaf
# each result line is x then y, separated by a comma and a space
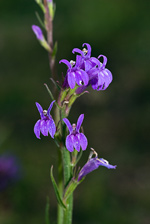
59, 199
47, 220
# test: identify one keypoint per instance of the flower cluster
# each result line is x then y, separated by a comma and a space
87, 71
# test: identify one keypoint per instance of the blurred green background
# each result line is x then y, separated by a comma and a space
117, 120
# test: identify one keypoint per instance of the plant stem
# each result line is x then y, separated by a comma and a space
67, 178
49, 28
60, 211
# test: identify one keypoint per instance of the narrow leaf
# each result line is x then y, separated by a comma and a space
59, 199
47, 221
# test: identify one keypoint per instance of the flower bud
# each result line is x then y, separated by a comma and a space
38, 32
39, 35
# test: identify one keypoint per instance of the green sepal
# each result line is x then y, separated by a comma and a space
56, 84
70, 188
56, 139
55, 49
59, 199
47, 220
45, 45
39, 2
51, 9
78, 157
74, 97
63, 95
39, 19
72, 100
51, 95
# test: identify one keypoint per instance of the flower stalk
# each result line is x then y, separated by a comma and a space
85, 71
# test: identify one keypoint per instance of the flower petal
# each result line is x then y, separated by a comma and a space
88, 48
77, 50
104, 60
83, 141
71, 79
66, 62
40, 109
37, 129
78, 78
69, 143
50, 107
79, 61
76, 143
79, 122
103, 162
69, 126
84, 77
51, 127
44, 127
91, 165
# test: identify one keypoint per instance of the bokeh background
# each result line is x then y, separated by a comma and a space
117, 120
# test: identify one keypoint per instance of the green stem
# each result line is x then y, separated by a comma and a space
60, 212
67, 178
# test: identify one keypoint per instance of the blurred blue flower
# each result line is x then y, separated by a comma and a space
75, 139
46, 123
9, 171
93, 164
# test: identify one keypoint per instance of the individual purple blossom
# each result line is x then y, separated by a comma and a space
88, 62
38, 32
75, 139
93, 164
75, 74
46, 124
100, 77
9, 170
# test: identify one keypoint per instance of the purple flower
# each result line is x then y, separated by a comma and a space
99, 76
93, 164
88, 62
9, 171
75, 74
75, 139
46, 123
38, 32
